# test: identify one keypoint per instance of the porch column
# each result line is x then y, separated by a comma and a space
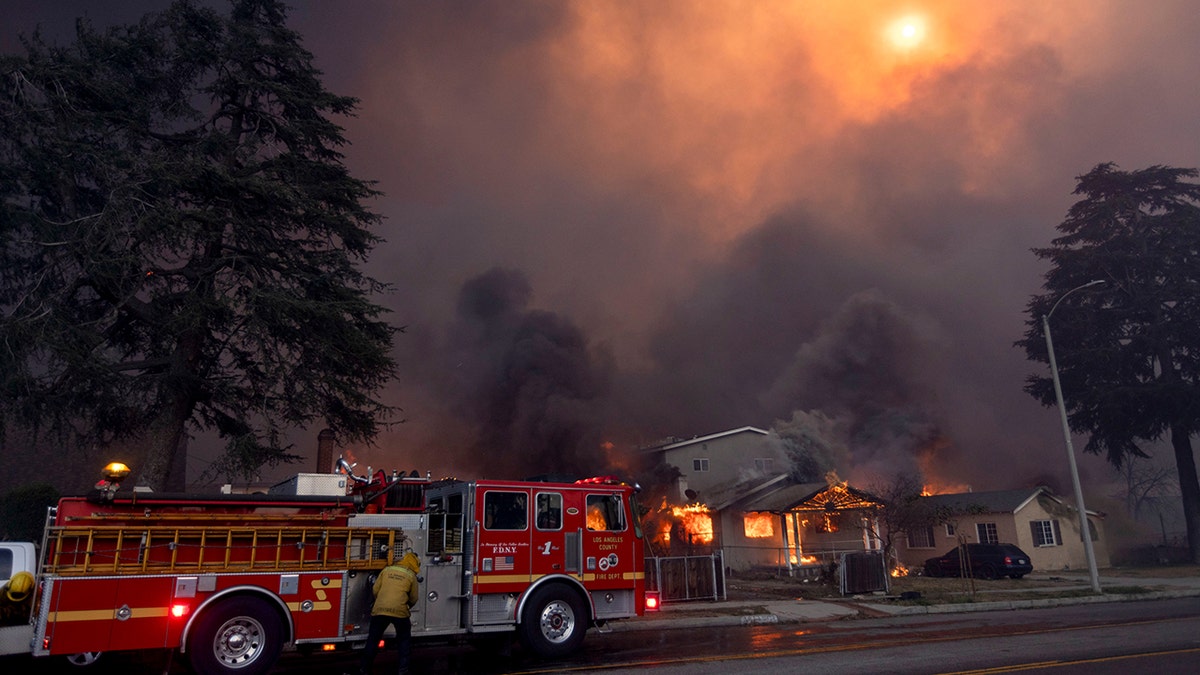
787, 550
799, 542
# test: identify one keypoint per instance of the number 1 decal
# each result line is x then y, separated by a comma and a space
545, 548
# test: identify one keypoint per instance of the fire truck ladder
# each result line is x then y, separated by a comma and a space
83, 550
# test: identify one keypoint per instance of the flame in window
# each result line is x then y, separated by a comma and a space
759, 525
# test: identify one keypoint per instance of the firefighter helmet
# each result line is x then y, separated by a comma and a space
19, 587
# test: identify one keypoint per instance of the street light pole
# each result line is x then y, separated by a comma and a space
1084, 530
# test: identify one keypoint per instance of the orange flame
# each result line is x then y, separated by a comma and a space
930, 489
697, 520
759, 525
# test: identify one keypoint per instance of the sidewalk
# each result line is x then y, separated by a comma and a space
769, 611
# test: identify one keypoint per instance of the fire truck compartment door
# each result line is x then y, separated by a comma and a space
80, 616
357, 601
440, 608
104, 614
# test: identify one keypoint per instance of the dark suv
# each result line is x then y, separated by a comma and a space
986, 561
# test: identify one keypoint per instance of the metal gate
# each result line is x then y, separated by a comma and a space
864, 573
678, 578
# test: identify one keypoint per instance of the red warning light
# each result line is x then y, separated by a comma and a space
652, 601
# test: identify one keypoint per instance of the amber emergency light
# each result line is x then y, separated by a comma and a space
115, 472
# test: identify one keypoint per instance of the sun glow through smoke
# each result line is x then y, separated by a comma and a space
907, 33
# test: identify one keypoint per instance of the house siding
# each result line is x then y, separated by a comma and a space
742, 552
729, 457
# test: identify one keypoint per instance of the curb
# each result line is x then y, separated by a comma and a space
876, 610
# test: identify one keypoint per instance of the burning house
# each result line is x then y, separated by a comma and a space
734, 494
797, 525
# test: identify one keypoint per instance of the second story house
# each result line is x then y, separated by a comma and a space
755, 514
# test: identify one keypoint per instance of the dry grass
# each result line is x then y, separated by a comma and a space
949, 590
1157, 572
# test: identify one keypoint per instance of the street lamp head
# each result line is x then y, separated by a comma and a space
1094, 282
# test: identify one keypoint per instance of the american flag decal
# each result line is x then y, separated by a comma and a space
504, 564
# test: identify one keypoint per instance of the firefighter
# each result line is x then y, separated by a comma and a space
395, 593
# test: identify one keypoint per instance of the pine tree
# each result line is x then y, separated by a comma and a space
180, 243
1128, 351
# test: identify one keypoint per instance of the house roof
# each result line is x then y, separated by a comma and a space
675, 443
722, 497
785, 497
999, 501
800, 496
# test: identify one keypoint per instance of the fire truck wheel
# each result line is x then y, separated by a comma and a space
553, 623
241, 636
83, 659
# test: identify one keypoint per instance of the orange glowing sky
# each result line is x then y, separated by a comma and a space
713, 195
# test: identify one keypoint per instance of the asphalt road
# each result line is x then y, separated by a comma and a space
1145, 637
1156, 636
1161, 636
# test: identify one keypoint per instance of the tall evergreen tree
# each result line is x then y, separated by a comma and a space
1128, 351
180, 242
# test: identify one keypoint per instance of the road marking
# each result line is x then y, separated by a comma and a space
1042, 665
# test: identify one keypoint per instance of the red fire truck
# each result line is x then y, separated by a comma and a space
231, 580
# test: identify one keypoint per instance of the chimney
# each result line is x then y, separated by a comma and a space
325, 451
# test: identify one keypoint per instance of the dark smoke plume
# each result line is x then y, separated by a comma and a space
862, 405
527, 387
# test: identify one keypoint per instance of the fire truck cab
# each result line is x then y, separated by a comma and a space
544, 559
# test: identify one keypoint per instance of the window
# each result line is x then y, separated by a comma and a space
700, 464
1045, 533
505, 511
764, 464
6, 563
549, 511
949, 529
987, 533
445, 524
828, 522
920, 537
758, 525
604, 513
